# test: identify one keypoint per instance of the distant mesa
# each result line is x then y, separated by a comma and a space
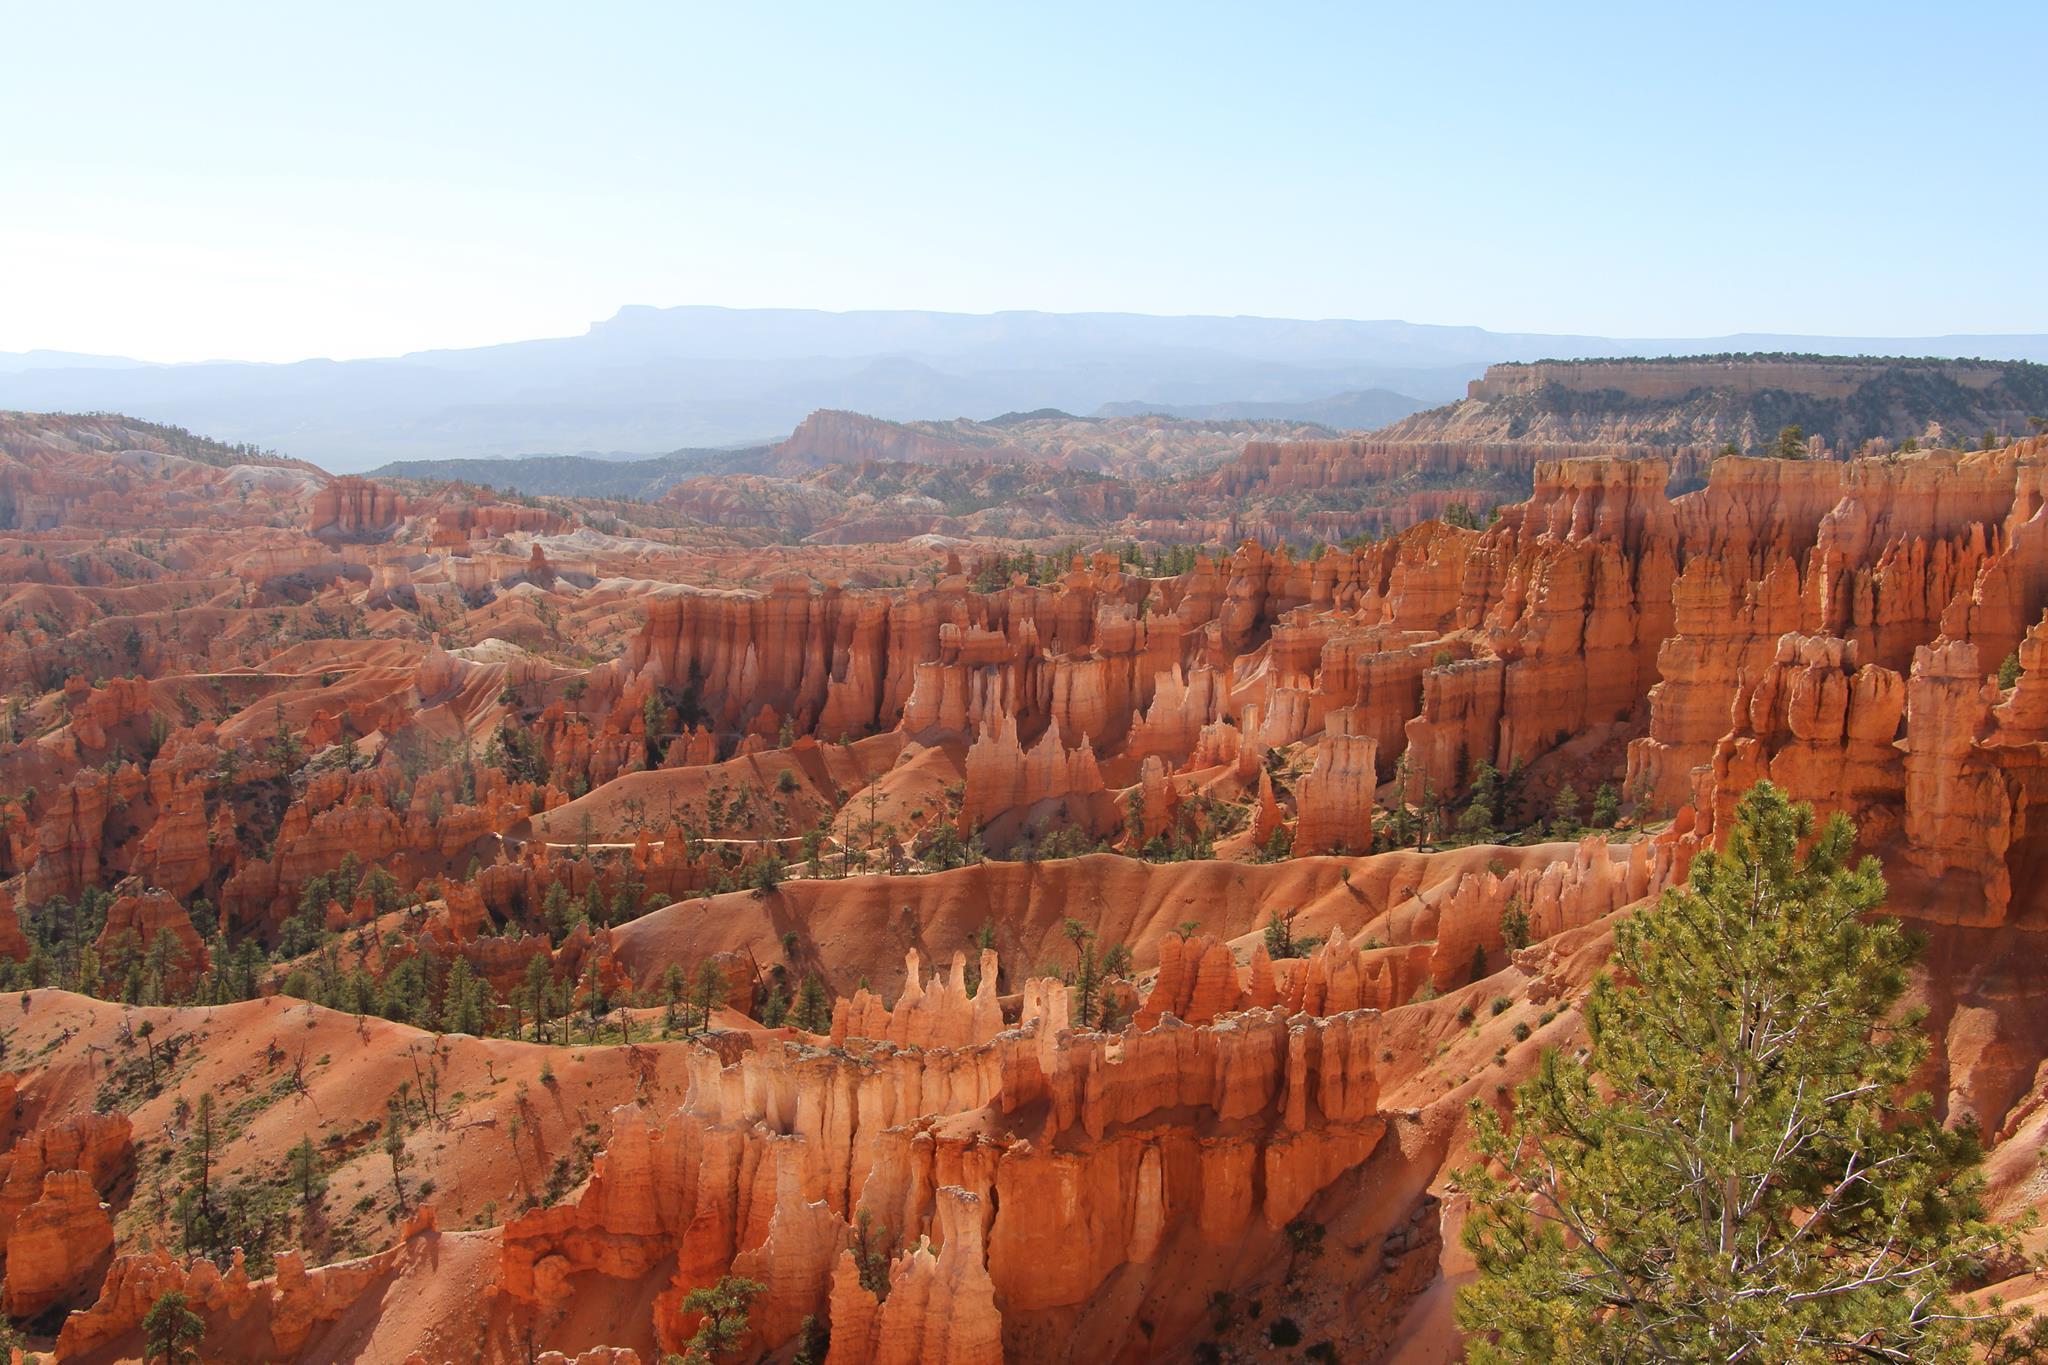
1669, 378
1742, 399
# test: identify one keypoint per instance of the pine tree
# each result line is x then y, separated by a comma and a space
672, 990
1279, 935
872, 1249
813, 1009
1514, 924
171, 1331
707, 992
394, 1147
462, 999
146, 1031
813, 1341
1481, 815
2009, 671
1087, 971
539, 995
1743, 1180
199, 1153
1564, 810
304, 1164
724, 1306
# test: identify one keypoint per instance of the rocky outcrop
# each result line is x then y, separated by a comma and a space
1336, 798
941, 1305
833, 437
938, 1013
14, 944
350, 508
135, 922
771, 1155
55, 1234
1726, 629
267, 1319
1003, 776
175, 852
1198, 980
58, 1248
1817, 724
72, 835
1959, 815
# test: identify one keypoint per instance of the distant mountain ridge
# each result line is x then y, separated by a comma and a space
662, 379
1361, 410
111, 432
1146, 446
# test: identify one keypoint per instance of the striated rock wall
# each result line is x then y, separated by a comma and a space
1016, 1174
1336, 797
55, 1234
1002, 775
58, 1246
349, 507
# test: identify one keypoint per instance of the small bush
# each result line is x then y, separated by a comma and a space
1284, 1332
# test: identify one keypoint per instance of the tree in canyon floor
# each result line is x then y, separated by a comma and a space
725, 1306
1739, 1170
171, 1331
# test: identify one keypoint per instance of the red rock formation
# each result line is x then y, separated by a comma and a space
14, 944
1725, 629
1816, 724
1336, 797
175, 852
941, 1306
2023, 716
770, 1156
54, 1234
72, 834
1198, 980
269, 1319
1959, 816
1834, 625
1003, 776
933, 1014
353, 508
58, 1248
136, 921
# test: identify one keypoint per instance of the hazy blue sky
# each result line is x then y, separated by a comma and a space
273, 181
